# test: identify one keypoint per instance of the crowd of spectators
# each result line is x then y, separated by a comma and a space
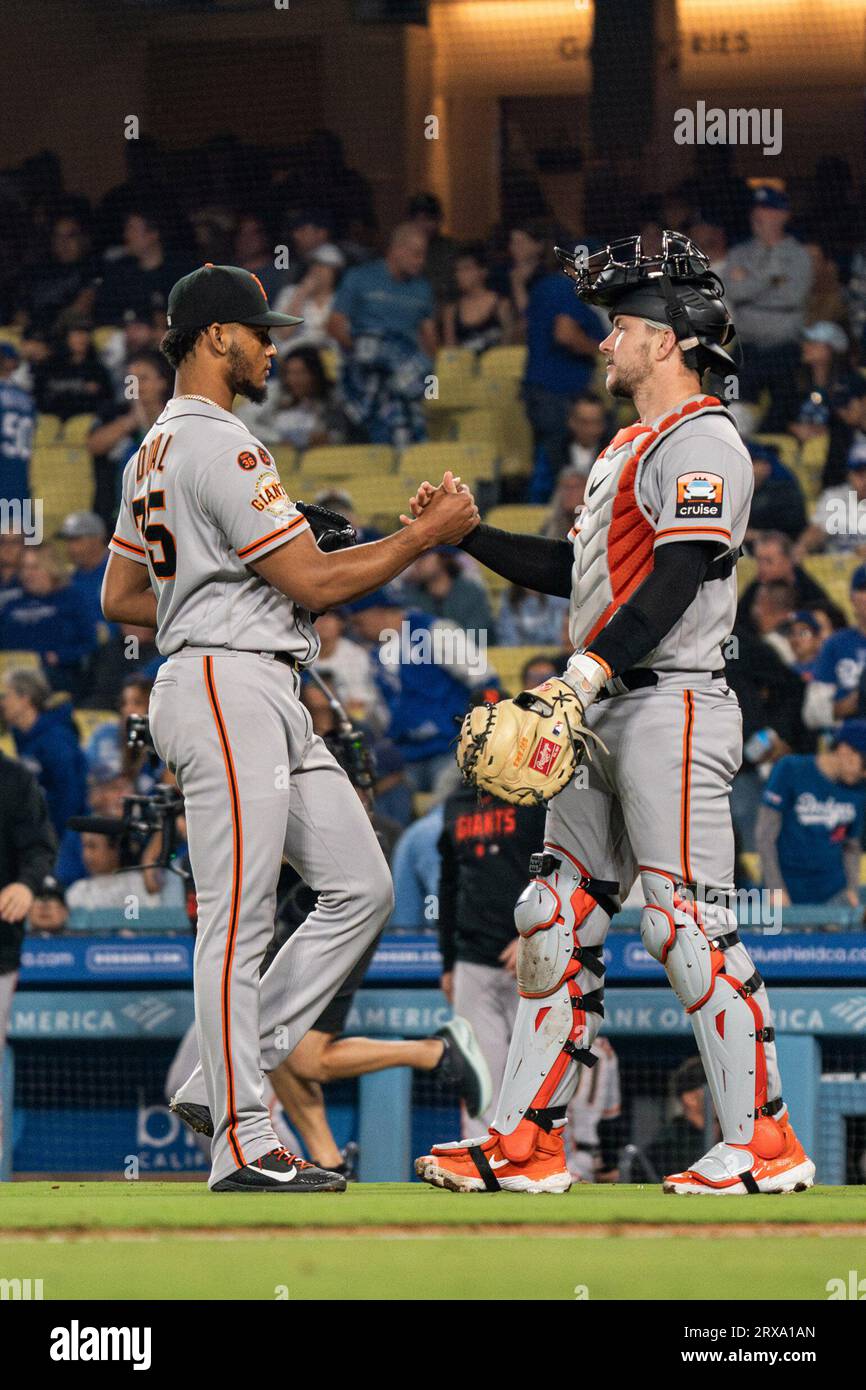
85, 288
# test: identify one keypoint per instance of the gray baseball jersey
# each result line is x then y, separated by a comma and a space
686, 476
655, 798
201, 499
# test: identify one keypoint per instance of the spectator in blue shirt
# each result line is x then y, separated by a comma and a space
833, 692
84, 534
383, 319
810, 825
424, 667
17, 423
50, 618
562, 337
46, 741
415, 867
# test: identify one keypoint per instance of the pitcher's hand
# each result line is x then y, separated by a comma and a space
448, 516
426, 492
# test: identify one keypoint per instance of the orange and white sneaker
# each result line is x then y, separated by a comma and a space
774, 1161
479, 1165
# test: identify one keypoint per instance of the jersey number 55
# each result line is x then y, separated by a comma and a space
154, 533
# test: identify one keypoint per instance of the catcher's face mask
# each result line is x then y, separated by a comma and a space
674, 286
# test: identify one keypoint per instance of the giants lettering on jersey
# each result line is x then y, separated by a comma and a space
270, 496
486, 825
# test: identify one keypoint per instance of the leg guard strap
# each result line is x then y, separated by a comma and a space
550, 1118
590, 1003
479, 1158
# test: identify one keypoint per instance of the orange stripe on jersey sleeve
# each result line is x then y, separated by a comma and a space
717, 532
284, 531
128, 545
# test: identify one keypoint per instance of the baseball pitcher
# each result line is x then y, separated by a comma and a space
211, 552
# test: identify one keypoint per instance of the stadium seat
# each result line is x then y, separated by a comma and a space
786, 446
285, 456
422, 802
833, 573
62, 477
469, 461
47, 430
76, 429
348, 461
89, 720
508, 662
475, 427
377, 499
7, 742
103, 335
504, 361
19, 660
813, 457
458, 385
331, 362
10, 333
518, 516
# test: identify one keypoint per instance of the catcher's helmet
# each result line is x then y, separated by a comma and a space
675, 287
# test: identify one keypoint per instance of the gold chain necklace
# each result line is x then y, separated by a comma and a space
207, 400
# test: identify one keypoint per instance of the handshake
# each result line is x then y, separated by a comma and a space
447, 512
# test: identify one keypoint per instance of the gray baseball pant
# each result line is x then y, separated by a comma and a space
257, 785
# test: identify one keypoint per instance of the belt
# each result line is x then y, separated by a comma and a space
286, 658
641, 679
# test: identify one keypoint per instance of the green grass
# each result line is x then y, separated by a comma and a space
453, 1267
182, 1205
163, 1240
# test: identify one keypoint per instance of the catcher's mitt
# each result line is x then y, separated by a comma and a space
527, 749
332, 531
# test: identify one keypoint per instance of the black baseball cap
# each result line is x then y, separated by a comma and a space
222, 294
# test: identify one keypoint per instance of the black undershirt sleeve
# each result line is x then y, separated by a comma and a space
533, 562
656, 605
542, 564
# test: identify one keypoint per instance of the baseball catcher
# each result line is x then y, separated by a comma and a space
649, 567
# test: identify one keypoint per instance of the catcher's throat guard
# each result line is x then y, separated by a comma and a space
527, 749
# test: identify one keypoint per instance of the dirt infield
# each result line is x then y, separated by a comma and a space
506, 1230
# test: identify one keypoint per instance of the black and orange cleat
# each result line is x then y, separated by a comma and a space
280, 1171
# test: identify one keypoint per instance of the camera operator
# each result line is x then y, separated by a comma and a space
28, 847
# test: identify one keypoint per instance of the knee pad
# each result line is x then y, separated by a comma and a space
562, 918
713, 976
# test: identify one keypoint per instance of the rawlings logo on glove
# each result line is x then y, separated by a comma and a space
527, 749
